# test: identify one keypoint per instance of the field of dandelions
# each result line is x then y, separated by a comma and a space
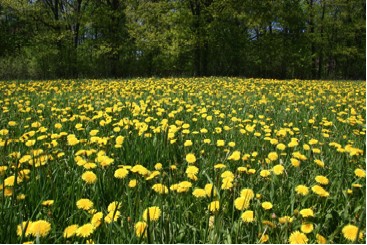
209, 160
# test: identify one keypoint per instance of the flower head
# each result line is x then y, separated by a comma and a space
141, 228
85, 230
190, 158
84, 204
70, 231
247, 216
266, 205
298, 238
152, 213
89, 177
350, 232
40, 228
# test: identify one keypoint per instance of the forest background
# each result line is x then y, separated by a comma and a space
305, 39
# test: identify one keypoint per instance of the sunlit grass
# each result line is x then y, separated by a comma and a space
210, 160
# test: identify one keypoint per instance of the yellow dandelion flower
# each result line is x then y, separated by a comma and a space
360, 173
319, 190
307, 227
70, 231
141, 229
209, 190
219, 166
306, 212
24, 227
227, 183
322, 180
199, 193
266, 205
263, 238
160, 188
132, 183
298, 238
96, 219
158, 166
247, 216
214, 206
350, 232
114, 206
187, 143
220, 143
152, 213
302, 190
281, 147
89, 177
247, 193
85, 230
190, 158
227, 174
48, 203
264, 173
121, 173
242, 203
40, 228
112, 216
192, 170
295, 162
319, 163
235, 156
84, 204
273, 156
278, 169
320, 239
285, 220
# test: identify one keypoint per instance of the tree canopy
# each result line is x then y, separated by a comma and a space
307, 39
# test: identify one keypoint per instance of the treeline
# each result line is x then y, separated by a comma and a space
307, 39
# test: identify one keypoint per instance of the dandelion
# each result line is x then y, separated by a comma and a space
302, 190
350, 232
121, 173
295, 162
307, 227
152, 213
192, 170
40, 228
266, 205
247, 193
235, 156
227, 183
285, 220
273, 156
264, 173
360, 173
24, 227
112, 216
322, 180
298, 238
220, 143
158, 166
84, 204
96, 219
132, 183
85, 230
114, 206
89, 177
199, 193
242, 203
48, 203
307, 212
190, 158
160, 188
214, 206
70, 231
320, 239
188, 143
247, 216
209, 190
319, 190
141, 229
278, 169
281, 147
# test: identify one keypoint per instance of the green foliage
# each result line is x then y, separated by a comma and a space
116, 38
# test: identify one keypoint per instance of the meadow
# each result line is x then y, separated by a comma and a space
183, 160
